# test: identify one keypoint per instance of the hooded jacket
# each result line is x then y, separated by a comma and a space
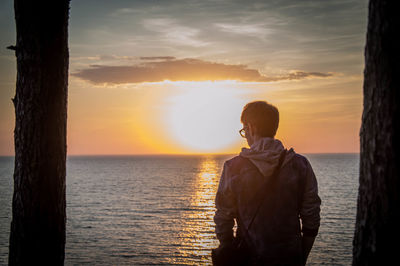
271, 220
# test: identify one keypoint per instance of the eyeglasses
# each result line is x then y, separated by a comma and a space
242, 132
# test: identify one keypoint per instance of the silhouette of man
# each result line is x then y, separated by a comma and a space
271, 193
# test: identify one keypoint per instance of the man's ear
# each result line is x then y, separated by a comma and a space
251, 129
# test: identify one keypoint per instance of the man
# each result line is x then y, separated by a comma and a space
271, 193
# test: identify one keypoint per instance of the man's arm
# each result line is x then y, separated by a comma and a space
309, 212
306, 243
226, 210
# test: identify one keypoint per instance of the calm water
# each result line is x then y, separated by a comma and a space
158, 210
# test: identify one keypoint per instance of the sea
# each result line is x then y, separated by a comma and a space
158, 210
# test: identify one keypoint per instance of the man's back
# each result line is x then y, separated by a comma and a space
267, 207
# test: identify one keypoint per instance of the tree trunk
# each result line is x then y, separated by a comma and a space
376, 240
37, 234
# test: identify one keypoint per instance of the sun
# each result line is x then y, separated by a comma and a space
205, 116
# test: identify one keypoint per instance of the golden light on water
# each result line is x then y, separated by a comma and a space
198, 236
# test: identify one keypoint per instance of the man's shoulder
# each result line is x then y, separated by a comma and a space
233, 160
300, 161
237, 160
237, 164
299, 157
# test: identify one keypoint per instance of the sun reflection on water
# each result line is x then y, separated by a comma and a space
197, 237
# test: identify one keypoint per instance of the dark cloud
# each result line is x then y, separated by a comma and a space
181, 70
302, 75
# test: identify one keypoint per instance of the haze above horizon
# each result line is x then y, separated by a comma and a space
172, 78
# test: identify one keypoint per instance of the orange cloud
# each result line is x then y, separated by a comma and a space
168, 68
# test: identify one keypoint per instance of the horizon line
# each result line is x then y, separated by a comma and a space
176, 154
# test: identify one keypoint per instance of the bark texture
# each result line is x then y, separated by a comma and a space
376, 240
37, 234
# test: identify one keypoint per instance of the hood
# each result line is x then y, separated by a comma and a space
265, 153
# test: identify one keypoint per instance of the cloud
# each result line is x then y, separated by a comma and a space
257, 30
169, 68
157, 58
302, 75
171, 31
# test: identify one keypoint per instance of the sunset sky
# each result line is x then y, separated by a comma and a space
160, 77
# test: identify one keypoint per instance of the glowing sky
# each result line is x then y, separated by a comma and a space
152, 77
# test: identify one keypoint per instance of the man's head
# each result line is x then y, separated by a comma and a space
260, 119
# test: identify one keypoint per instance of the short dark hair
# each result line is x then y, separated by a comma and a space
263, 116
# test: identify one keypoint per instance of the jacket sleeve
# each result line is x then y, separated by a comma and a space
310, 207
226, 208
